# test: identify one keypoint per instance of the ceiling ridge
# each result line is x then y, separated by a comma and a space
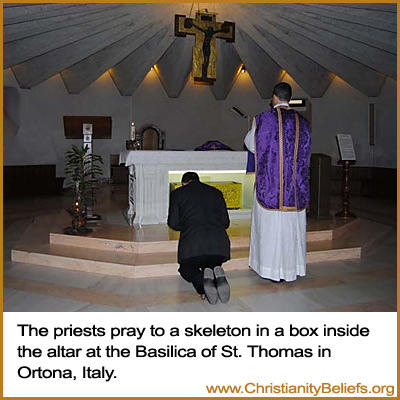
183, 62
69, 10
71, 25
84, 78
314, 78
164, 29
334, 15
388, 7
368, 20
39, 76
349, 34
361, 58
12, 5
379, 15
379, 78
89, 31
287, 33
312, 42
264, 74
125, 81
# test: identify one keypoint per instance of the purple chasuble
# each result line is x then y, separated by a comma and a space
282, 160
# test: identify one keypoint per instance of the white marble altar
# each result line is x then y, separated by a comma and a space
149, 177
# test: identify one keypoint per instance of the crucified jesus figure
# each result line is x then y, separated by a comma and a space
208, 35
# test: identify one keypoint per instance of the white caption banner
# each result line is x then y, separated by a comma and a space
50, 347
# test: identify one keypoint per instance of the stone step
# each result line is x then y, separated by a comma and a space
34, 248
151, 264
159, 238
126, 246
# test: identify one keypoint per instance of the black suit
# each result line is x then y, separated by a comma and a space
199, 212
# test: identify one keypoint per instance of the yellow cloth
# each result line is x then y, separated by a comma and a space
232, 192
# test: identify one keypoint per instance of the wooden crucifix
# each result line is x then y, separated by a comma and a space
206, 30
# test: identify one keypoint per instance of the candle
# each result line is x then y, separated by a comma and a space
130, 117
133, 131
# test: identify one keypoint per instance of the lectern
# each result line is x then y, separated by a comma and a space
347, 158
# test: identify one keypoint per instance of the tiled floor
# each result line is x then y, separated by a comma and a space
366, 284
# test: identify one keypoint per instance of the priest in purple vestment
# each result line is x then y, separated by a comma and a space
280, 140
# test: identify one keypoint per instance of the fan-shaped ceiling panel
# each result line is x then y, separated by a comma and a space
36, 70
228, 69
356, 50
69, 16
264, 71
174, 66
312, 42
129, 73
18, 51
83, 73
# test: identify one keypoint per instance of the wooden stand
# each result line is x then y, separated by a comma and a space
345, 213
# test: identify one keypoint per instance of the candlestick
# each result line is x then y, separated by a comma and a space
345, 213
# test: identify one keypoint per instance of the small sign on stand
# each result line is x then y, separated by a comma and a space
347, 158
346, 147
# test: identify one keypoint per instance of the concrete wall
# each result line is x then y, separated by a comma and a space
41, 139
385, 150
190, 120
345, 110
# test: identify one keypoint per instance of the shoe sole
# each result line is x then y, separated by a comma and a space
223, 288
209, 286
224, 292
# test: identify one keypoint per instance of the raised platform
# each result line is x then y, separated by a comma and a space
160, 238
151, 250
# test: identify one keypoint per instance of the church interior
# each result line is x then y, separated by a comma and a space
144, 90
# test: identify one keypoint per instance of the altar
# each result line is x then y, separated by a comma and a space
152, 174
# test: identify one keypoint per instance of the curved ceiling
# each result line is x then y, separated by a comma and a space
311, 42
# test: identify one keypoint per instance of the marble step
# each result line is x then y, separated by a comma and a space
159, 238
151, 264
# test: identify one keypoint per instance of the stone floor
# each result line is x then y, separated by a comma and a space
366, 284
